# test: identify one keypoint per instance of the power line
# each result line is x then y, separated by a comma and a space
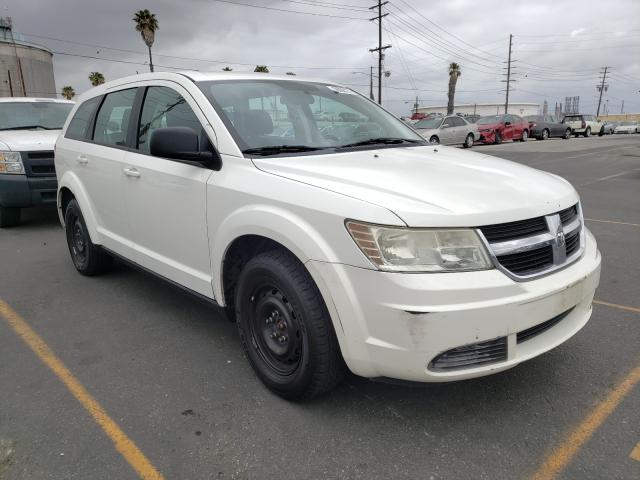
289, 11
353, 8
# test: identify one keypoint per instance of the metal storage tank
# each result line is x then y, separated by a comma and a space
26, 69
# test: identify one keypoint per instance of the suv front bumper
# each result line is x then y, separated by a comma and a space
394, 324
23, 191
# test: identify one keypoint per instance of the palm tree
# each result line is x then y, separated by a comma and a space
68, 92
227, 69
261, 69
96, 78
454, 73
147, 24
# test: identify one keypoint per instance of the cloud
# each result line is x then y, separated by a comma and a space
555, 64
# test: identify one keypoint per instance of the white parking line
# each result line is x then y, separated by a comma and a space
608, 177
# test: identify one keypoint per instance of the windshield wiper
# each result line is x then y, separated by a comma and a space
27, 127
381, 141
276, 149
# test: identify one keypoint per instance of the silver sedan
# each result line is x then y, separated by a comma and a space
451, 130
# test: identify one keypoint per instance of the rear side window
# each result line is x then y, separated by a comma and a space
78, 128
458, 122
113, 118
164, 107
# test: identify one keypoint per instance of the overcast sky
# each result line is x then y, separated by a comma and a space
560, 45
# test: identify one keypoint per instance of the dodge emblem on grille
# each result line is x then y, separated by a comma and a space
560, 237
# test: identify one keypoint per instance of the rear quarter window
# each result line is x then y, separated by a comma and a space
79, 125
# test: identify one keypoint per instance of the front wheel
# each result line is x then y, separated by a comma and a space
545, 134
468, 142
9, 216
525, 136
587, 132
89, 259
567, 134
497, 138
285, 328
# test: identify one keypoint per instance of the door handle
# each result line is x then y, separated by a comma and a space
82, 159
132, 172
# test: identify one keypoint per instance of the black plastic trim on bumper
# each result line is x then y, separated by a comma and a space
23, 191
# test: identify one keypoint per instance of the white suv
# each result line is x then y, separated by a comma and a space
365, 247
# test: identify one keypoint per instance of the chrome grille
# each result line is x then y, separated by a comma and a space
534, 247
472, 355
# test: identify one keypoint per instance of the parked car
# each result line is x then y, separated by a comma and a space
381, 253
28, 130
498, 128
627, 127
608, 128
451, 130
585, 125
543, 127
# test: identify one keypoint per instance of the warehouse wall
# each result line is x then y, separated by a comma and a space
37, 71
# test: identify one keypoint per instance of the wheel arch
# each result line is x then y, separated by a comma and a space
69, 188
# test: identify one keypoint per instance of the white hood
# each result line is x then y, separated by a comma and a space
29, 140
432, 186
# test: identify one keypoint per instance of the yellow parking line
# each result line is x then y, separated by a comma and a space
573, 442
635, 453
615, 305
612, 221
122, 443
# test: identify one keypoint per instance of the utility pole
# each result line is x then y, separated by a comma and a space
508, 80
602, 87
371, 83
380, 48
622, 107
416, 105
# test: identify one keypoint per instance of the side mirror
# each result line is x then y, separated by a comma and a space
182, 144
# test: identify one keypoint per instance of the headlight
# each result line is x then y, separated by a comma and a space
397, 249
11, 162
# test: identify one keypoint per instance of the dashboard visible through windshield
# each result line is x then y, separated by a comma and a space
274, 117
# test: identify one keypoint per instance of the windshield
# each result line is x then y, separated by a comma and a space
32, 115
490, 120
288, 116
429, 123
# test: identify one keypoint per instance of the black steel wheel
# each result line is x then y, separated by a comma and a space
88, 258
285, 328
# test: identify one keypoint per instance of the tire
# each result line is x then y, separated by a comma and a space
285, 328
525, 136
89, 259
468, 142
587, 132
567, 134
9, 216
545, 134
434, 139
601, 132
497, 139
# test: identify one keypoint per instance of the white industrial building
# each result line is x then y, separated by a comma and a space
517, 108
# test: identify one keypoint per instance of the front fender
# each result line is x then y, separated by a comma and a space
71, 181
295, 233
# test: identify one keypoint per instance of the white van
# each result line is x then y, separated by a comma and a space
362, 247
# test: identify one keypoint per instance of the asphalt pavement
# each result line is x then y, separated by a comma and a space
169, 371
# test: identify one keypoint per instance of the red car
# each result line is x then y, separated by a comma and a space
500, 128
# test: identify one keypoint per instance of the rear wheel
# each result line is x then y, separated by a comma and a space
434, 139
567, 134
525, 136
468, 142
9, 216
545, 134
587, 132
89, 259
285, 328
